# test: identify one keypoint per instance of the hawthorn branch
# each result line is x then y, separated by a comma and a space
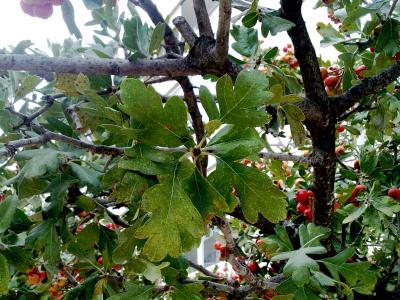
366, 87
238, 265
185, 30
392, 8
202, 270
203, 20
92, 65
285, 157
304, 50
222, 41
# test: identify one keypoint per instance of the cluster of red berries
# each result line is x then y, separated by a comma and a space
39, 8
57, 285
289, 56
222, 250
305, 203
35, 276
332, 78
394, 192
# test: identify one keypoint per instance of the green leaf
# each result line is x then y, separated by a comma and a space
298, 293
7, 209
137, 37
189, 291
386, 205
355, 214
250, 19
271, 53
69, 18
44, 238
242, 106
135, 292
87, 177
295, 117
40, 162
162, 126
157, 37
174, 223
256, 192
276, 24
331, 37
246, 40
233, 143
205, 197
208, 102
4, 275
27, 86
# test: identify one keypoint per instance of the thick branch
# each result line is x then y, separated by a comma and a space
368, 86
304, 50
224, 23
203, 20
185, 30
90, 65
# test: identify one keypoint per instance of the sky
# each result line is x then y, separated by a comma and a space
21, 26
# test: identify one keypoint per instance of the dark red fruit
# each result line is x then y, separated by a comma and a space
100, 260
301, 207
331, 81
308, 213
339, 150
359, 71
394, 193
301, 196
356, 164
252, 265
43, 11
324, 72
340, 128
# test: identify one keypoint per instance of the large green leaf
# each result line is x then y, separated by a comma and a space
137, 37
87, 177
69, 18
242, 106
162, 126
27, 86
208, 102
135, 292
276, 24
233, 143
299, 263
255, 190
295, 117
187, 292
41, 161
246, 40
174, 222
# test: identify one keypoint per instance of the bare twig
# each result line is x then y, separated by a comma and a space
203, 20
203, 270
392, 8
185, 30
285, 157
224, 22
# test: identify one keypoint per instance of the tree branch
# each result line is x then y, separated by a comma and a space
238, 265
367, 86
224, 23
286, 157
304, 50
185, 30
203, 20
91, 65
203, 270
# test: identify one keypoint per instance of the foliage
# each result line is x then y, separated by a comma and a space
80, 223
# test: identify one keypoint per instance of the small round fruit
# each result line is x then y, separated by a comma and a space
356, 165
394, 193
259, 242
359, 71
100, 260
324, 72
301, 196
218, 246
293, 62
301, 207
372, 49
339, 150
331, 81
42, 275
397, 56
284, 49
43, 11
340, 128
336, 205
310, 195
252, 265
308, 213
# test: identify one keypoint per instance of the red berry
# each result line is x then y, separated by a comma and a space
244, 226
359, 71
301, 196
339, 150
327, 2
372, 49
310, 195
308, 213
356, 164
284, 49
2, 197
235, 277
259, 242
42, 275
301, 207
340, 128
43, 11
252, 265
336, 205
293, 62
112, 226
394, 193
100, 260
397, 56
218, 246
331, 81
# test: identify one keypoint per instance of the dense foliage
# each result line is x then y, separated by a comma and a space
105, 183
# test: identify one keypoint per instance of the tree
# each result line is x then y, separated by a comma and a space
86, 134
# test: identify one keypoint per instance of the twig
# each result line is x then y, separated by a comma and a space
158, 80
224, 22
185, 30
286, 157
203, 20
202, 270
392, 8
